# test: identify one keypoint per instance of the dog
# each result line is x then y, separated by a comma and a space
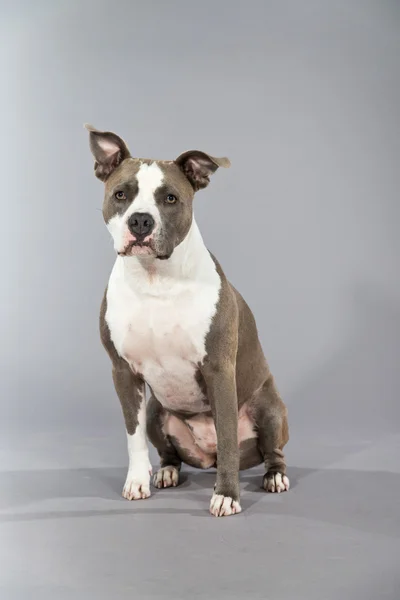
171, 319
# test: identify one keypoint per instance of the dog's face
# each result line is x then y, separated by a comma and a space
148, 204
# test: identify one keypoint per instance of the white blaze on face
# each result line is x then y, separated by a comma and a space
149, 178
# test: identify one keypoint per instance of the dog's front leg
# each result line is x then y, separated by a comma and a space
221, 391
131, 392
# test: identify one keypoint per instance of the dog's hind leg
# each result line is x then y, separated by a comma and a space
270, 417
170, 462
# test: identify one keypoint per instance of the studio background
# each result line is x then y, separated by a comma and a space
304, 98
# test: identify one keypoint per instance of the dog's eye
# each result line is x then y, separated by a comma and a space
120, 196
170, 199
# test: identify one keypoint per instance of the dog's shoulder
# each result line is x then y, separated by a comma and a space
234, 320
229, 296
105, 334
221, 339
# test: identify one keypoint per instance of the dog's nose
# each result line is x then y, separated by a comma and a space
141, 224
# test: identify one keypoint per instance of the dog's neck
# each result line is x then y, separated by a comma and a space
190, 261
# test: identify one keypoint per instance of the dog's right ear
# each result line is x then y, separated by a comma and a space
108, 149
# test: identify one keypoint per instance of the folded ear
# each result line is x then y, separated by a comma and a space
108, 149
198, 166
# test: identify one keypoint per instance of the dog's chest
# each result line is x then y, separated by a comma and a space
163, 336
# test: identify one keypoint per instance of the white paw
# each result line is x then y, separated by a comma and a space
137, 484
166, 477
223, 506
276, 482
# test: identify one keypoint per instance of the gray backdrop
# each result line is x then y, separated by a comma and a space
304, 99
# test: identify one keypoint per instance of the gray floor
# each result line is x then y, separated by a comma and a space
67, 533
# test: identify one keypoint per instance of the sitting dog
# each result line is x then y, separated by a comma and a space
170, 319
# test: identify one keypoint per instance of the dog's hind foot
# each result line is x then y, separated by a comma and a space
275, 482
166, 477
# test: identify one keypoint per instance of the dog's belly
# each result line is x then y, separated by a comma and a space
173, 382
167, 359
195, 439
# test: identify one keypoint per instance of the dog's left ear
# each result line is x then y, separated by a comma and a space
198, 166
108, 149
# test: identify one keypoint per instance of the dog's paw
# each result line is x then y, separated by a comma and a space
137, 484
276, 482
166, 477
224, 506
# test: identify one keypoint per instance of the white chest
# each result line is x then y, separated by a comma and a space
162, 336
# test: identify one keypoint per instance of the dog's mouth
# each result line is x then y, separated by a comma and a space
136, 248
146, 247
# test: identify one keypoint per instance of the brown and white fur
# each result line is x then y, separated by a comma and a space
171, 319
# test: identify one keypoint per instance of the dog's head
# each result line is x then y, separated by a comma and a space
148, 204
